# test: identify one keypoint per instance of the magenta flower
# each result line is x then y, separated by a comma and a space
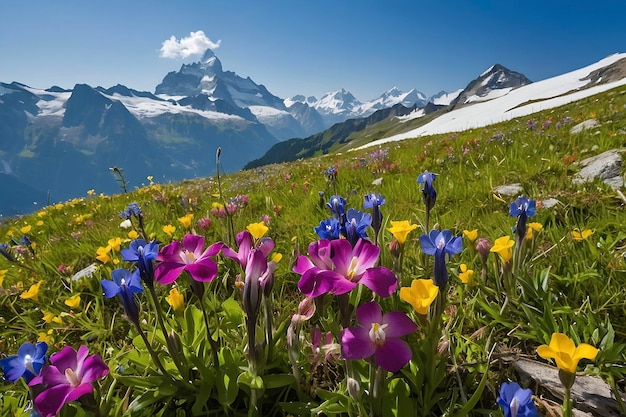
245, 242
335, 267
189, 257
68, 378
379, 336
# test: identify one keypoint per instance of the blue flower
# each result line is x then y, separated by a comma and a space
439, 244
27, 363
517, 402
522, 208
329, 229
144, 254
356, 225
374, 201
133, 209
429, 194
337, 206
124, 284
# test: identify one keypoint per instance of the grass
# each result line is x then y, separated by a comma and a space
561, 284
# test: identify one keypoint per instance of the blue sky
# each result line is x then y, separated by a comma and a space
306, 47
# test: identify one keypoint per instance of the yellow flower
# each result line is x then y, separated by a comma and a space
471, 235
466, 274
186, 220
277, 257
41, 213
217, 206
32, 293
257, 230
58, 206
115, 243
103, 254
578, 235
169, 229
401, 229
565, 353
133, 235
73, 301
46, 337
176, 300
91, 192
26, 229
532, 227
3, 273
51, 318
39, 223
503, 247
420, 294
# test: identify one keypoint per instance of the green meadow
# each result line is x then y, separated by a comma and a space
201, 348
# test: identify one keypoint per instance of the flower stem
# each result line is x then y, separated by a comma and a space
567, 403
159, 313
151, 351
213, 343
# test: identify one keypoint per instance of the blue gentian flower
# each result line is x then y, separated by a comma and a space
144, 254
329, 229
374, 201
4, 251
522, 208
124, 284
429, 194
337, 206
517, 402
356, 225
27, 363
439, 244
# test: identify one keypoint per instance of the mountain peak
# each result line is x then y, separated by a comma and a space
495, 81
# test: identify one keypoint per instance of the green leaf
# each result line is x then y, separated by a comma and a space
298, 409
278, 380
227, 387
254, 382
396, 401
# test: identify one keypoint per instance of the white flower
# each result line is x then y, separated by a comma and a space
126, 224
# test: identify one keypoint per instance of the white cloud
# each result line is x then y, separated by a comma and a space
194, 44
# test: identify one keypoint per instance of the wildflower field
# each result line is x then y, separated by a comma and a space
389, 281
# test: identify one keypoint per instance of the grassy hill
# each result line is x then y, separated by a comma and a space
569, 277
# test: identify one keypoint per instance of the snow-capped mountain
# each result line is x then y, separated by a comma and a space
494, 82
340, 105
443, 99
525, 100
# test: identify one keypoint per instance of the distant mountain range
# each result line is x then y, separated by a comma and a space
58, 143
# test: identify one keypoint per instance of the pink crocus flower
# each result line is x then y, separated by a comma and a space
176, 258
335, 267
245, 243
68, 378
379, 335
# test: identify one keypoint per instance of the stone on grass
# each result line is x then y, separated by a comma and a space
587, 124
606, 166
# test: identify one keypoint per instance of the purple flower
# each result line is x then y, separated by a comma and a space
176, 258
516, 402
439, 244
27, 363
144, 254
429, 194
68, 378
335, 267
379, 335
124, 284
245, 242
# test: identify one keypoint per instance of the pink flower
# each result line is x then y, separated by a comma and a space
336, 268
189, 257
68, 378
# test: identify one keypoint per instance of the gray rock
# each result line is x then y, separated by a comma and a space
511, 190
587, 124
549, 203
606, 166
